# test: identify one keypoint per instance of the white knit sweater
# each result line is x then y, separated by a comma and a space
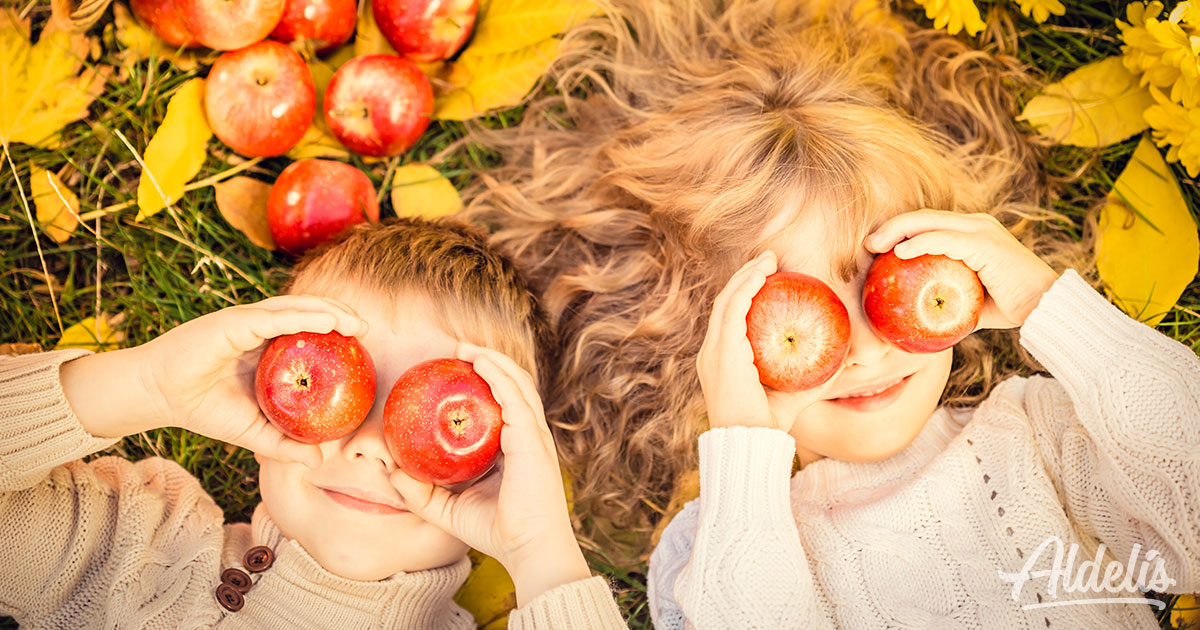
1106, 452
118, 544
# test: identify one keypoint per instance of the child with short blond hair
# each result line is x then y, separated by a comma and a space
342, 537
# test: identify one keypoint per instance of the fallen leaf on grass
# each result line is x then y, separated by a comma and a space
494, 81
243, 203
18, 349
1148, 250
176, 152
508, 25
419, 190
45, 86
57, 206
95, 334
1094, 106
368, 39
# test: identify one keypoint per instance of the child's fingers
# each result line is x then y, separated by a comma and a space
263, 438
253, 326
433, 504
470, 352
349, 322
518, 415
764, 264
957, 245
903, 226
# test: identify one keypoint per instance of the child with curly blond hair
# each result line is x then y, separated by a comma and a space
725, 141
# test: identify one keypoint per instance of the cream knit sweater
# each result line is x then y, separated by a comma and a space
1105, 453
119, 544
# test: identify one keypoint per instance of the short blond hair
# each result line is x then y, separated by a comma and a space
476, 294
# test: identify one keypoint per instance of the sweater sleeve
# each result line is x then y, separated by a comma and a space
745, 567
1119, 428
585, 604
108, 543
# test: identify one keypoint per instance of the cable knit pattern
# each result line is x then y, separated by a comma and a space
119, 544
1106, 453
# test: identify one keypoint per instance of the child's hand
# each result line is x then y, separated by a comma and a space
732, 392
1014, 277
518, 513
200, 374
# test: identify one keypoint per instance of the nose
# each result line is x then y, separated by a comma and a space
866, 347
367, 443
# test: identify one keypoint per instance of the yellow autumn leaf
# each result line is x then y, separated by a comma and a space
44, 86
317, 143
508, 25
243, 203
94, 333
1094, 106
495, 81
368, 39
489, 593
1186, 612
57, 207
419, 190
1148, 250
176, 152
140, 43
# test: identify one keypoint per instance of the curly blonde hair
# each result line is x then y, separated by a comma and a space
679, 130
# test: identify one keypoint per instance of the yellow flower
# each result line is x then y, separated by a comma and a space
954, 15
1040, 10
1177, 127
1165, 52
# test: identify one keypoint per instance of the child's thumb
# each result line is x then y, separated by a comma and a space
426, 500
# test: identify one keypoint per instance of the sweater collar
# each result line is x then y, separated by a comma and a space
828, 482
296, 585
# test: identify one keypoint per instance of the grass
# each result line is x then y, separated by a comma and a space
188, 261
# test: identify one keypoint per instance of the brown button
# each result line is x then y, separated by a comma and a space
236, 578
258, 559
230, 598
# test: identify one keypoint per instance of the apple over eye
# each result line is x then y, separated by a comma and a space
315, 387
441, 423
922, 304
799, 331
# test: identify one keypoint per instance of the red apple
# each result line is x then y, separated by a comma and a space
326, 23
378, 105
426, 30
922, 304
315, 387
164, 21
230, 24
799, 331
312, 200
441, 423
260, 100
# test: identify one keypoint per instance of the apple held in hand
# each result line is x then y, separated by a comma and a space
441, 423
315, 387
260, 100
378, 105
922, 304
164, 21
312, 200
426, 30
799, 331
326, 23
230, 24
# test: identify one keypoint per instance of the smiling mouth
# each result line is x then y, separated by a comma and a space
354, 503
874, 399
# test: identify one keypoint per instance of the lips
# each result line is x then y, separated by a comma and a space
363, 501
873, 397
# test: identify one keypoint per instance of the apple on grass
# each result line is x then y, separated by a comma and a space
315, 387
326, 23
164, 21
312, 200
441, 423
799, 331
922, 304
230, 24
260, 100
378, 105
426, 30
